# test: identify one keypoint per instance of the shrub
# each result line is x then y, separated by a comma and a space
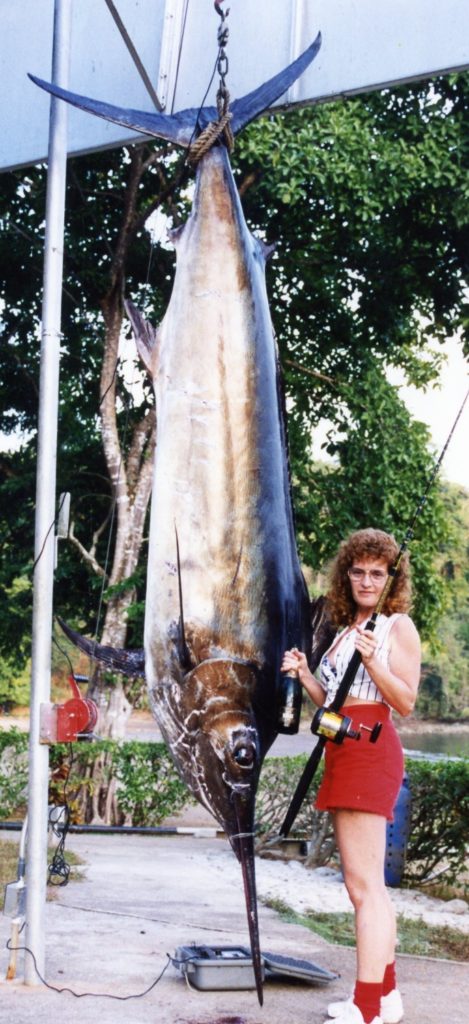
13, 772
439, 838
439, 833
116, 783
149, 787
279, 777
135, 783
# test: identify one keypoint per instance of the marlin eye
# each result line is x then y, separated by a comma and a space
244, 755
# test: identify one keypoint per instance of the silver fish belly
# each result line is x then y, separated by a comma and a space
221, 490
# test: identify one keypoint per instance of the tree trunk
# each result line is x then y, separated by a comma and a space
130, 471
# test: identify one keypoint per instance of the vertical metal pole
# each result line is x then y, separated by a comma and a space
36, 867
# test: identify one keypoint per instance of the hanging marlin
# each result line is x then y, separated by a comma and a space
225, 592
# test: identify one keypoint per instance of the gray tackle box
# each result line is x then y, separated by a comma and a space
230, 967
216, 967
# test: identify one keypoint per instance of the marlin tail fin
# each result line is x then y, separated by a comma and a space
182, 127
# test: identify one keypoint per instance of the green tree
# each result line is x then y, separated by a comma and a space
106, 435
445, 682
369, 200
383, 465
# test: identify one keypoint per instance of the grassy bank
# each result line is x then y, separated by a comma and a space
415, 937
9, 864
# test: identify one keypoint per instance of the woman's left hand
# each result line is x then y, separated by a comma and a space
366, 644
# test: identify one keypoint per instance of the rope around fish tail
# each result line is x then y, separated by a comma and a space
214, 131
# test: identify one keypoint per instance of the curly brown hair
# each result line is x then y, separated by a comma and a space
369, 543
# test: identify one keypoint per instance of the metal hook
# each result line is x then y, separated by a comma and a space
218, 9
223, 30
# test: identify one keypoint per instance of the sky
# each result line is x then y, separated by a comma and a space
438, 408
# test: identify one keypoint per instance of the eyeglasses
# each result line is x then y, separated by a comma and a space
375, 575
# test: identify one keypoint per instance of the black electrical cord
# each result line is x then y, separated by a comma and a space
58, 871
51, 527
64, 652
59, 868
95, 995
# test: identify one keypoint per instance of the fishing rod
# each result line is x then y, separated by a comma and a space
328, 723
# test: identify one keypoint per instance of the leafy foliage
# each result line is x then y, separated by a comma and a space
145, 785
370, 201
144, 780
97, 199
371, 242
147, 789
444, 688
13, 771
377, 482
371, 266
440, 819
279, 777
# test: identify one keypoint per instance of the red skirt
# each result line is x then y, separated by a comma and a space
363, 776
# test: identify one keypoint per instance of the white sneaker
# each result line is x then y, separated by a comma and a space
391, 1011
348, 1013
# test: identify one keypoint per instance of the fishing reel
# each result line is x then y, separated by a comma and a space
337, 728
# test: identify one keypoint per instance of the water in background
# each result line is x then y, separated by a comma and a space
453, 743
450, 742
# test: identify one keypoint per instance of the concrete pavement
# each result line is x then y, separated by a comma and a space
140, 898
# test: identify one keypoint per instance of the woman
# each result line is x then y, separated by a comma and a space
362, 780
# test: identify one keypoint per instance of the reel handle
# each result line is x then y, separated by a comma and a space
374, 731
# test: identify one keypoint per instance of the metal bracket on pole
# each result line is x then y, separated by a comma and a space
36, 861
63, 516
171, 43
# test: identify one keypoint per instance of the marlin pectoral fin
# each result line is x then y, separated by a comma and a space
145, 337
181, 127
130, 663
323, 631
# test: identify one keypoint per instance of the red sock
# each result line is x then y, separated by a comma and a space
367, 997
389, 980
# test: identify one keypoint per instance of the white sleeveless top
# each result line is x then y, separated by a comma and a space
363, 686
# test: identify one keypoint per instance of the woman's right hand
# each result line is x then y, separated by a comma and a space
295, 661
